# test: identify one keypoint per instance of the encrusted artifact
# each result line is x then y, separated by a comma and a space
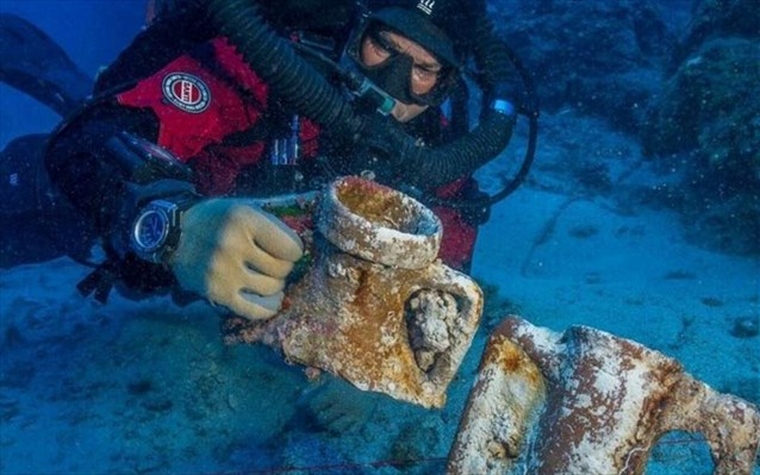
375, 306
585, 401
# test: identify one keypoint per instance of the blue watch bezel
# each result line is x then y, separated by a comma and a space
169, 213
139, 236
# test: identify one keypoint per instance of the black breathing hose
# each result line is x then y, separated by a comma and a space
532, 114
295, 81
442, 165
304, 89
498, 59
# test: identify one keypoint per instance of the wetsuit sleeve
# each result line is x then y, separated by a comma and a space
81, 164
99, 186
77, 157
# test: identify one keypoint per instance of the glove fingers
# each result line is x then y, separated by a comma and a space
226, 275
254, 282
236, 256
255, 307
262, 262
272, 235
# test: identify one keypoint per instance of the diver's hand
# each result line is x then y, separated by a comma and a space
235, 255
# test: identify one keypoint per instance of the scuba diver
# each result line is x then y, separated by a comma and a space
196, 116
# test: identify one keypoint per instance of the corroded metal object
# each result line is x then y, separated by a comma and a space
376, 307
599, 406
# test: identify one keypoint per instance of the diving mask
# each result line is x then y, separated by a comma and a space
398, 73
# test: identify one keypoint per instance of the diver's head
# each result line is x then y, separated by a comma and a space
405, 48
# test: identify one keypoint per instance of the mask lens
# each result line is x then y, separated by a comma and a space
396, 72
381, 46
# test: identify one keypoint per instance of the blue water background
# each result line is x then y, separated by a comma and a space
93, 32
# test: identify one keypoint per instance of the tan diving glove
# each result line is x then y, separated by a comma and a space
235, 255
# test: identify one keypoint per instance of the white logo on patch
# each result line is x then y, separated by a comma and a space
187, 92
426, 6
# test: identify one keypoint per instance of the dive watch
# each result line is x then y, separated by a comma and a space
156, 230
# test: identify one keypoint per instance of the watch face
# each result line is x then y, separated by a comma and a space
150, 230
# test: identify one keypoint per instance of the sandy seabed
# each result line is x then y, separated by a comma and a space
147, 387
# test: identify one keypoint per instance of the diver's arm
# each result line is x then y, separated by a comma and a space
104, 180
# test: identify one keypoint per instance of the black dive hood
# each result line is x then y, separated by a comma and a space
301, 87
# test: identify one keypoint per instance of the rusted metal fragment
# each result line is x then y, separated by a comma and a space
609, 400
503, 405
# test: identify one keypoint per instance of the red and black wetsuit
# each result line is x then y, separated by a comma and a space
202, 102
